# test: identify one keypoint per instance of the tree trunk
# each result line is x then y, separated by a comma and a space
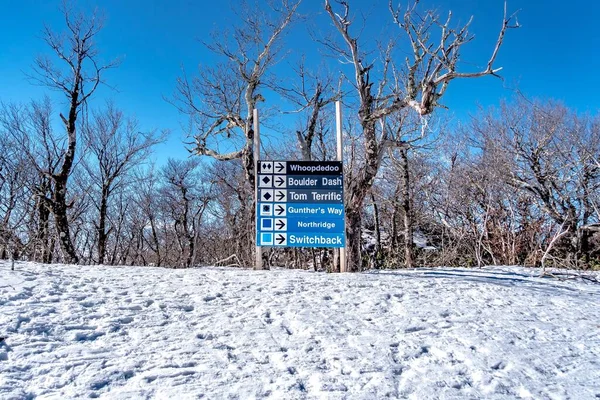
357, 191
353, 239
335, 263
156, 242
407, 220
59, 209
377, 258
186, 230
248, 150
59, 198
117, 237
102, 235
43, 233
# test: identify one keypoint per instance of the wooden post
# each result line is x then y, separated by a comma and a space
258, 250
340, 157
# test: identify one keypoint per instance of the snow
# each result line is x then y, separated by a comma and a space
218, 333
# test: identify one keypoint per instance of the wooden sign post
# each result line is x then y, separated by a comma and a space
258, 250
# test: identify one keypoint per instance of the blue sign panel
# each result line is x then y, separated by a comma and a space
300, 204
307, 210
315, 223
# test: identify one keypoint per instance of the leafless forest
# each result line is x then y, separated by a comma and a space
518, 183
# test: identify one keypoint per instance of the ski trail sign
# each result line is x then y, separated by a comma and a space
300, 204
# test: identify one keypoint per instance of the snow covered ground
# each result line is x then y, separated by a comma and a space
217, 333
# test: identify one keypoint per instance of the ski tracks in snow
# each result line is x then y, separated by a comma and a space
131, 332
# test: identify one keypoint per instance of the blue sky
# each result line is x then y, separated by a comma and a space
553, 55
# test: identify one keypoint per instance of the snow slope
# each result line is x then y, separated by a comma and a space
216, 333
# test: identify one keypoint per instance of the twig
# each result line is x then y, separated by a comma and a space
566, 276
238, 264
558, 235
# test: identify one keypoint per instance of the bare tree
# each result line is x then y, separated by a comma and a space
115, 146
186, 199
77, 75
30, 130
147, 202
15, 205
127, 243
311, 94
433, 66
232, 199
545, 151
220, 101
405, 133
